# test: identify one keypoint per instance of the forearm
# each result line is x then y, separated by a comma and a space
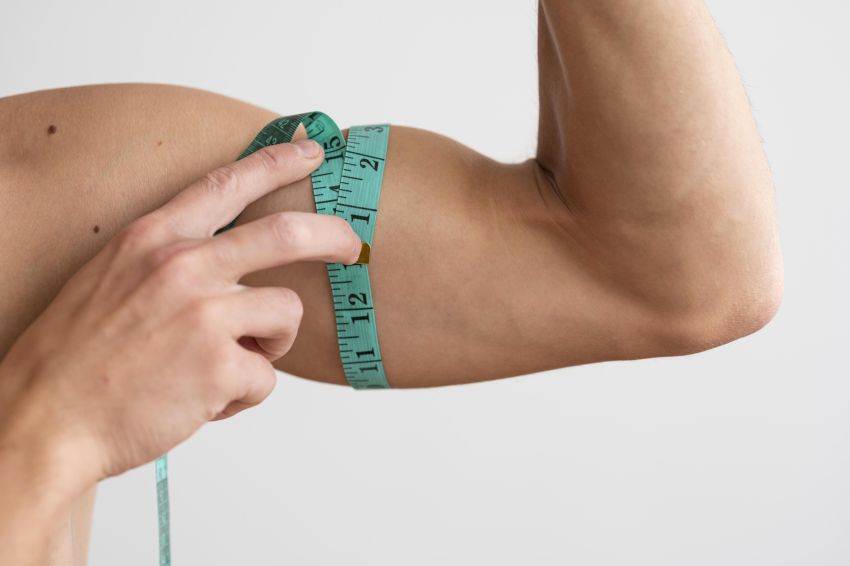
650, 87
647, 131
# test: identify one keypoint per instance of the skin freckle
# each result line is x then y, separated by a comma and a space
159, 143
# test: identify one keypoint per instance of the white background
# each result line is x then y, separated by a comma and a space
736, 456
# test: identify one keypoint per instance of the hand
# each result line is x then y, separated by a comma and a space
154, 336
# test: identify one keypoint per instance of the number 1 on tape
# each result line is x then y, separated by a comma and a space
347, 184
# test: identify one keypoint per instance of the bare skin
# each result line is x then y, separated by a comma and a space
644, 227
156, 324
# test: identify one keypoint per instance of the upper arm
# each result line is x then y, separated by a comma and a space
476, 270
472, 273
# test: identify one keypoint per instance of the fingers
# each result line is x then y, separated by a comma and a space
269, 318
269, 314
219, 196
252, 385
279, 239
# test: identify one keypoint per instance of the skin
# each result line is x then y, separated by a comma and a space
644, 226
155, 324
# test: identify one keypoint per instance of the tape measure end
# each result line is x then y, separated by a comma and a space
364, 254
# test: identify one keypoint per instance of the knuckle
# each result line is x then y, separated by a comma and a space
272, 157
174, 262
227, 377
211, 346
232, 362
225, 178
160, 256
290, 303
211, 410
226, 366
206, 314
140, 234
290, 230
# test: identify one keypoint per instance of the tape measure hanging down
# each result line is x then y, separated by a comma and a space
347, 184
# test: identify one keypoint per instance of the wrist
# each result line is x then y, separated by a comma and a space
35, 497
40, 463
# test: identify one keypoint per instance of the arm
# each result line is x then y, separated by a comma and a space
644, 227
647, 135
493, 285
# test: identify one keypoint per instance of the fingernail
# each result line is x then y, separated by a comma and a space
307, 147
364, 253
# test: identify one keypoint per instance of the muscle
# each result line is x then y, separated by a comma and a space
468, 267
647, 131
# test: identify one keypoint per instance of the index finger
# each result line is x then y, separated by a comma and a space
277, 239
216, 198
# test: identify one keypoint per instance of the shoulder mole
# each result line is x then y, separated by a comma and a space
51, 130
96, 229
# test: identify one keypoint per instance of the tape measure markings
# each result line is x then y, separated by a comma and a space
356, 200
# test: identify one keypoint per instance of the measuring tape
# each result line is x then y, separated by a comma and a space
347, 184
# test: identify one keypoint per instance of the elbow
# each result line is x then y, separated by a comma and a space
728, 314
754, 308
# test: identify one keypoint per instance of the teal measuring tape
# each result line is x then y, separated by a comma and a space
347, 184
